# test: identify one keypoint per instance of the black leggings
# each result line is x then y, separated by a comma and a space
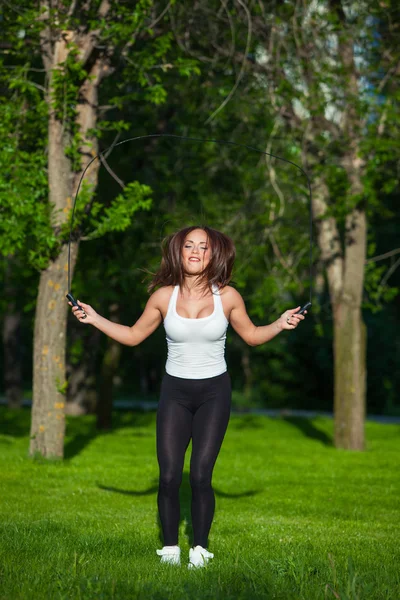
197, 409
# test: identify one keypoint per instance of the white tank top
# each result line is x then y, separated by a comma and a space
196, 347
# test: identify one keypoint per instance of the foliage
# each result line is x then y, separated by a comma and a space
26, 219
119, 215
24, 211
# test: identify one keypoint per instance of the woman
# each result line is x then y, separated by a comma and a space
196, 304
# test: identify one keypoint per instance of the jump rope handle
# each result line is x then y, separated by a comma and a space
305, 307
73, 301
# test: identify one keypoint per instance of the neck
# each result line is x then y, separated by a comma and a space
192, 284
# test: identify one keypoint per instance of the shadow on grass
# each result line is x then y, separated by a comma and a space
108, 488
185, 497
246, 421
81, 431
308, 428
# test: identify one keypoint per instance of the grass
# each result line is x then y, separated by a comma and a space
295, 518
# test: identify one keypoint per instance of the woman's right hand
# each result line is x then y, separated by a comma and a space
87, 315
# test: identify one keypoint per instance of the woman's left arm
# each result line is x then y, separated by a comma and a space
250, 333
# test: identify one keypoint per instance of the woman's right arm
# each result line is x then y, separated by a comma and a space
129, 336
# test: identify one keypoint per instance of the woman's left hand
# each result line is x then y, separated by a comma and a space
289, 319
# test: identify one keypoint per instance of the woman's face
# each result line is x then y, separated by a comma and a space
196, 252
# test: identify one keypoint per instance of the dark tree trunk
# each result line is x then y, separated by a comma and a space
109, 369
82, 394
248, 375
12, 352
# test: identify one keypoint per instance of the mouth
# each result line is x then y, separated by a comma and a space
194, 260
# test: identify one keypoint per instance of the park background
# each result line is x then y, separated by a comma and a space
316, 83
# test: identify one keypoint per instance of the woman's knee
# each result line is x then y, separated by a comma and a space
170, 481
200, 479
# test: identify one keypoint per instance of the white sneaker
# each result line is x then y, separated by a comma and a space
199, 557
170, 554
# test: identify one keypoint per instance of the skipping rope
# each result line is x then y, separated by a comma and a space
192, 139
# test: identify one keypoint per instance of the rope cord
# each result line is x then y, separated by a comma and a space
193, 139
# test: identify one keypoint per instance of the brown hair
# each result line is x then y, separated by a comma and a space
218, 271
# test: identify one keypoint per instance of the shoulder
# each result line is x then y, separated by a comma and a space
160, 298
231, 297
230, 293
162, 294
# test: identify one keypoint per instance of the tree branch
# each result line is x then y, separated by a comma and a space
45, 37
160, 16
328, 240
283, 262
71, 9
112, 173
382, 256
241, 72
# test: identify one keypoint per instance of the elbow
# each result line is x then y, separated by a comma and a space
133, 341
251, 341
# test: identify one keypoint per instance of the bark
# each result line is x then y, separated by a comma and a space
350, 340
345, 276
350, 375
328, 238
49, 383
109, 369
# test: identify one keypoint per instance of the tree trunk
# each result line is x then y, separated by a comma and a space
82, 394
345, 266
248, 375
109, 368
345, 280
49, 384
350, 376
350, 341
12, 341
12, 359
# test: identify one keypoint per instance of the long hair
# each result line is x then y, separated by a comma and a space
218, 271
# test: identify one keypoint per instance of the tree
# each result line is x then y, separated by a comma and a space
340, 112
328, 72
80, 45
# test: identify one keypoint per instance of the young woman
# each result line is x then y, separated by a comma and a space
195, 304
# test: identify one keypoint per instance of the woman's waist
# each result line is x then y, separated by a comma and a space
189, 370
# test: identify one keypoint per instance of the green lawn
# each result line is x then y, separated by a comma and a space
295, 518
